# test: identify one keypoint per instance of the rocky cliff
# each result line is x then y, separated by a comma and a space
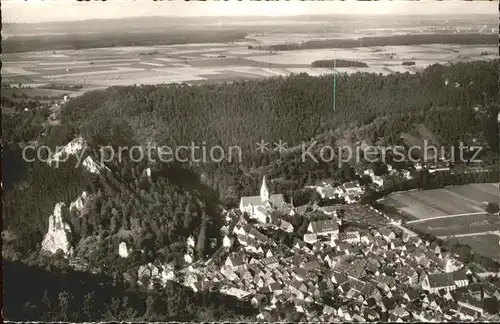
80, 202
59, 233
78, 148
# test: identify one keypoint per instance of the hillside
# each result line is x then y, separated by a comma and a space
153, 208
292, 109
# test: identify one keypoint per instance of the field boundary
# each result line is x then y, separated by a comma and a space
470, 234
444, 216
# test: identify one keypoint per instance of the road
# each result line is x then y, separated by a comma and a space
395, 224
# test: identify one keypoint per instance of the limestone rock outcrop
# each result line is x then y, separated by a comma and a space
78, 148
59, 233
123, 250
79, 203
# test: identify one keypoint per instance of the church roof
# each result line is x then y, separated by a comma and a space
277, 200
254, 200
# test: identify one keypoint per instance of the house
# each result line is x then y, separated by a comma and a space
424, 316
400, 312
460, 278
397, 245
438, 281
324, 227
226, 242
387, 234
236, 261
259, 207
258, 300
286, 226
276, 288
371, 315
310, 238
190, 242
434, 247
476, 290
328, 310
357, 318
329, 192
411, 295
239, 230
350, 237
349, 199
298, 289
300, 274
339, 278
466, 313
236, 292
271, 262
188, 258
491, 291
353, 188
471, 303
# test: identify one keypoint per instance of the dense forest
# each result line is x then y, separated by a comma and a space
154, 213
417, 39
19, 44
293, 109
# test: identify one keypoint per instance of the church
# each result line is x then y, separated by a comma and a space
260, 207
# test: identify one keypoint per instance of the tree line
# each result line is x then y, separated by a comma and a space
395, 40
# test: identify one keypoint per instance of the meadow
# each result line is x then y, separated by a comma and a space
456, 211
214, 62
487, 245
424, 204
459, 225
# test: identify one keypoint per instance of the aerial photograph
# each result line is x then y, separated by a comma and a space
250, 161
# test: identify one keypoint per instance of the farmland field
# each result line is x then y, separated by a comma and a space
446, 201
200, 63
454, 211
449, 226
487, 245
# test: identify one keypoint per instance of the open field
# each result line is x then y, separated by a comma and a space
486, 245
200, 63
450, 226
446, 201
16, 93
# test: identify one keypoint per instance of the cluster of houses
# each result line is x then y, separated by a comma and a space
378, 274
349, 191
381, 274
358, 275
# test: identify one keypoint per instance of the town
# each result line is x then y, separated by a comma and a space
353, 264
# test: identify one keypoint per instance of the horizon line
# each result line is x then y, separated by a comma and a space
452, 16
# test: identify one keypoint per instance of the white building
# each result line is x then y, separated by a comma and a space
226, 241
259, 207
190, 242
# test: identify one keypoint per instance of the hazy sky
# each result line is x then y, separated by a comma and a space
64, 10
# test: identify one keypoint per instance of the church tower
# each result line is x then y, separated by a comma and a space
264, 192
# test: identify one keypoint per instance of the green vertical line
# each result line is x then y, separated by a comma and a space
334, 85
334, 89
